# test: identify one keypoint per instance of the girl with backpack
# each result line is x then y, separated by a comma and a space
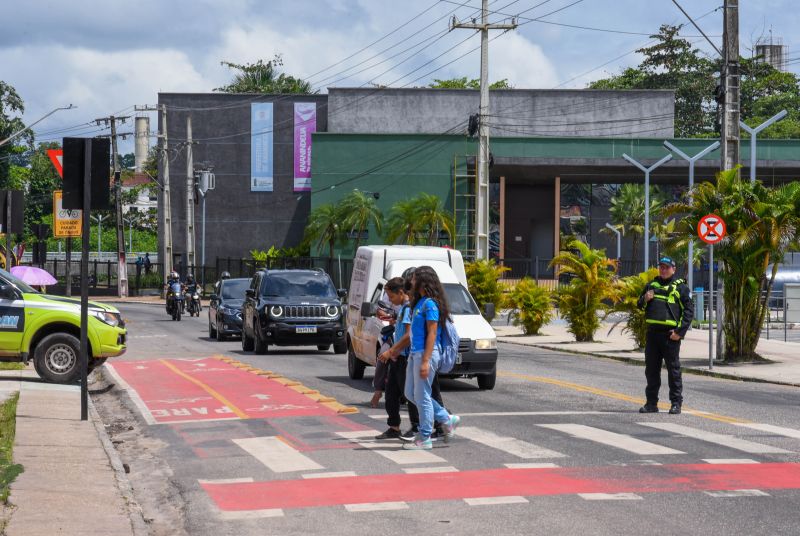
429, 313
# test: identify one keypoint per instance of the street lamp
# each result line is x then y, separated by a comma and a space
754, 133
99, 218
19, 132
692, 160
619, 247
647, 201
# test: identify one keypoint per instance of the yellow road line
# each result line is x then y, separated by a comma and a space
617, 396
239, 413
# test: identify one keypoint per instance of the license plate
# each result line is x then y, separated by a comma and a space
306, 329
458, 359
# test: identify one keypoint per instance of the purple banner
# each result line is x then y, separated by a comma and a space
305, 123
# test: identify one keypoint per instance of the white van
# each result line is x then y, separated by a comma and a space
374, 265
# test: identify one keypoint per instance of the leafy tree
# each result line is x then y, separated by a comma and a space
260, 77
483, 279
762, 224
627, 212
11, 109
403, 222
42, 180
628, 290
433, 217
127, 160
423, 216
324, 227
531, 306
592, 285
359, 210
465, 83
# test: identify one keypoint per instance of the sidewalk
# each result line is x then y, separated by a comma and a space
73, 482
782, 367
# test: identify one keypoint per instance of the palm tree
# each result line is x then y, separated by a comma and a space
433, 217
324, 226
260, 77
591, 285
358, 211
627, 212
762, 223
403, 223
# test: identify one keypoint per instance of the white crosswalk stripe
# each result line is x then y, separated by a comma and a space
738, 493
612, 439
771, 428
720, 439
510, 445
391, 450
277, 455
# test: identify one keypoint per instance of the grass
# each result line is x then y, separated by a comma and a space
8, 469
12, 365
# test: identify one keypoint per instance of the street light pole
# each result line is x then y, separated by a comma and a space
619, 247
647, 171
99, 219
19, 132
692, 160
754, 134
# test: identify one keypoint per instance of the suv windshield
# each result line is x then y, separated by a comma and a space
459, 300
19, 283
296, 284
233, 289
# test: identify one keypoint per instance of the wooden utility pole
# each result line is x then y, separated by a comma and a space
482, 187
731, 110
190, 241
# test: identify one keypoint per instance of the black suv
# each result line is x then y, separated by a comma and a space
293, 308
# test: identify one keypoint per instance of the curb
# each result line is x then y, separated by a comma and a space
327, 401
135, 514
640, 362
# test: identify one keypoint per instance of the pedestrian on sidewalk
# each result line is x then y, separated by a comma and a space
669, 310
429, 312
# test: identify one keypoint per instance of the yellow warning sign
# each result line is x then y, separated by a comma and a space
66, 223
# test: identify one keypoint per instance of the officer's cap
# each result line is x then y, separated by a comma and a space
666, 260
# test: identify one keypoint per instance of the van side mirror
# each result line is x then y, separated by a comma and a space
213, 297
342, 292
368, 309
489, 311
250, 293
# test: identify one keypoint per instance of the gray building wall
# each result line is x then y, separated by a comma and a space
237, 220
514, 112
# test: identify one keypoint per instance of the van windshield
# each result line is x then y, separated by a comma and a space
459, 300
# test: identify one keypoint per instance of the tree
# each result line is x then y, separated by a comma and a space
260, 77
672, 63
433, 217
591, 287
11, 109
324, 227
465, 83
627, 212
42, 180
762, 224
359, 210
403, 222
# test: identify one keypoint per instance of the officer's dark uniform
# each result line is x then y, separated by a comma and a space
670, 309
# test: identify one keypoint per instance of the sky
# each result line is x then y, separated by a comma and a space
105, 56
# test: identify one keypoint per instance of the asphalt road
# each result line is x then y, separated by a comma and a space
608, 469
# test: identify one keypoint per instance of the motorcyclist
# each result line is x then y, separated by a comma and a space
173, 286
191, 290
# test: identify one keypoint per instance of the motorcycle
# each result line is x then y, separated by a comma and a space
175, 301
193, 306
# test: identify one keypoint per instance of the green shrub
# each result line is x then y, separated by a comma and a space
628, 290
592, 284
531, 306
483, 278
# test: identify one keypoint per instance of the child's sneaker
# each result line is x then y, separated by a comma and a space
419, 444
450, 427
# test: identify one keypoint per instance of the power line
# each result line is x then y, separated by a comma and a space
698, 27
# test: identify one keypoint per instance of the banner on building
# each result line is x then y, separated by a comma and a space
305, 124
261, 153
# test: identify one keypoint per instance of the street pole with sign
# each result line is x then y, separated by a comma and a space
711, 230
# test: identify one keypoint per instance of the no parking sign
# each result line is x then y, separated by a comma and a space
711, 229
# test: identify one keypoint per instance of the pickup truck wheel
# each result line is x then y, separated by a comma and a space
247, 342
56, 358
260, 344
355, 367
486, 381
212, 332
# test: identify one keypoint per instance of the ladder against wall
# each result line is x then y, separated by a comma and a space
464, 209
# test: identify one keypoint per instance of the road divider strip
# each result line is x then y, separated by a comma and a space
313, 394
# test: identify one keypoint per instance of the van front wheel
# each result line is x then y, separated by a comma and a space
355, 367
56, 358
486, 381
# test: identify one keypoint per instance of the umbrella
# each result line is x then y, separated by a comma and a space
33, 275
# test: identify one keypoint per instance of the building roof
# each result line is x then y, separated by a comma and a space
137, 179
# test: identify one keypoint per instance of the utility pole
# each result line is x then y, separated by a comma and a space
190, 257
482, 187
122, 266
730, 73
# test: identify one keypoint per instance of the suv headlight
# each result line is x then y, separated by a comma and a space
332, 311
112, 319
276, 311
485, 344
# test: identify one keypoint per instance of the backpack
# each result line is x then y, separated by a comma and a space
449, 340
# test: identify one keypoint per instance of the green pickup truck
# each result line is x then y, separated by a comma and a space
47, 329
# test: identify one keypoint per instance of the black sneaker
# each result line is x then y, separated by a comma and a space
675, 409
649, 408
390, 433
437, 434
408, 435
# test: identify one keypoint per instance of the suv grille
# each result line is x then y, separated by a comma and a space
305, 311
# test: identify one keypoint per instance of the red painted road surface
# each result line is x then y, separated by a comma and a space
288, 494
191, 390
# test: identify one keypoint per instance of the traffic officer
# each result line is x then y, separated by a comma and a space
669, 310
